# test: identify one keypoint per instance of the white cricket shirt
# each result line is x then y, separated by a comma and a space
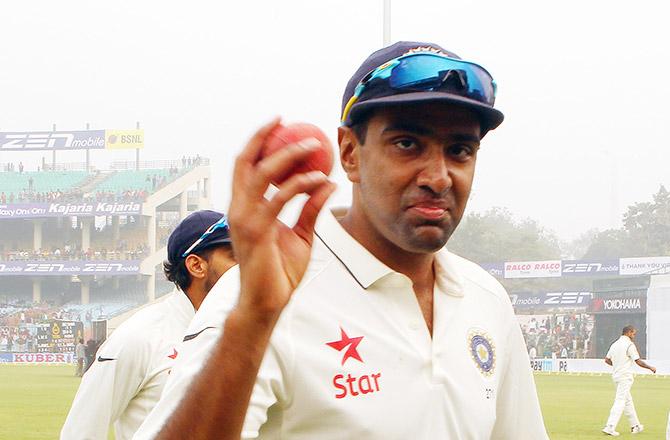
197, 343
131, 367
351, 355
623, 354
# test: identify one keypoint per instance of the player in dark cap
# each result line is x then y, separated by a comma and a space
199, 252
126, 379
387, 335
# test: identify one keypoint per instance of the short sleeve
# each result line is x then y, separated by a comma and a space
632, 352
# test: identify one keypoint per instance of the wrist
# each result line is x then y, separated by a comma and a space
260, 304
254, 315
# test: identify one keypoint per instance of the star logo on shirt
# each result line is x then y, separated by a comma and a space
346, 341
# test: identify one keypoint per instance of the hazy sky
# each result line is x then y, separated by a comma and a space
584, 85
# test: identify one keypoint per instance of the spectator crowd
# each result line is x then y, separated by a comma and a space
11, 166
19, 320
73, 196
558, 336
17, 339
18, 323
190, 162
122, 251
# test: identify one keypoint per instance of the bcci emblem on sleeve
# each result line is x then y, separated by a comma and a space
482, 350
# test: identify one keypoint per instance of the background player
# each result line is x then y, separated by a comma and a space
621, 355
127, 378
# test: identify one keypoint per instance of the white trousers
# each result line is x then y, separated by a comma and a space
623, 403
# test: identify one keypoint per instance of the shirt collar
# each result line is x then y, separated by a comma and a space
366, 268
359, 262
448, 274
225, 291
184, 304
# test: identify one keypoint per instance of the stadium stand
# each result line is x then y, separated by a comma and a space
64, 243
147, 180
42, 181
66, 186
87, 267
41, 186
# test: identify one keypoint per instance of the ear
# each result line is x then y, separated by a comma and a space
196, 266
349, 152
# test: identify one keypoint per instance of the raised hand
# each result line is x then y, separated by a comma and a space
272, 256
273, 259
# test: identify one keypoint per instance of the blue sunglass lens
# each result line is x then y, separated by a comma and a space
430, 72
223, 223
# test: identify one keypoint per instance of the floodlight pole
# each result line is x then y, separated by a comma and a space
88, 152
387, 22
137, 150
53, 152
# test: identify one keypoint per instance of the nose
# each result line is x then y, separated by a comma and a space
435, 174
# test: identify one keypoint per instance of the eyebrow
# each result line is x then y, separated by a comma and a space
459, 137
421, 130
410, 128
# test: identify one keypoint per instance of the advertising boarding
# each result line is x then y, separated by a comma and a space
642, 265
79, 209
551, 300
495, 269
577, 268
533, 269
71, 140
636, 304
71, 267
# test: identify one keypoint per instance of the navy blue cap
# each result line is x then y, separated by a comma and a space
490, 116
191, 229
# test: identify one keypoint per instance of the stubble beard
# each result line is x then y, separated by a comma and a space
210, 280
420, 244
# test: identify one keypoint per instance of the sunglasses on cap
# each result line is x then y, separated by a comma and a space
221, 224
425, 71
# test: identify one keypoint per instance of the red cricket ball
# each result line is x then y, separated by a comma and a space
320, 159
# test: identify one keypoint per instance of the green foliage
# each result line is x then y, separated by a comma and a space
575, 249
496, 235
611, 243
645, 231
648, 224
